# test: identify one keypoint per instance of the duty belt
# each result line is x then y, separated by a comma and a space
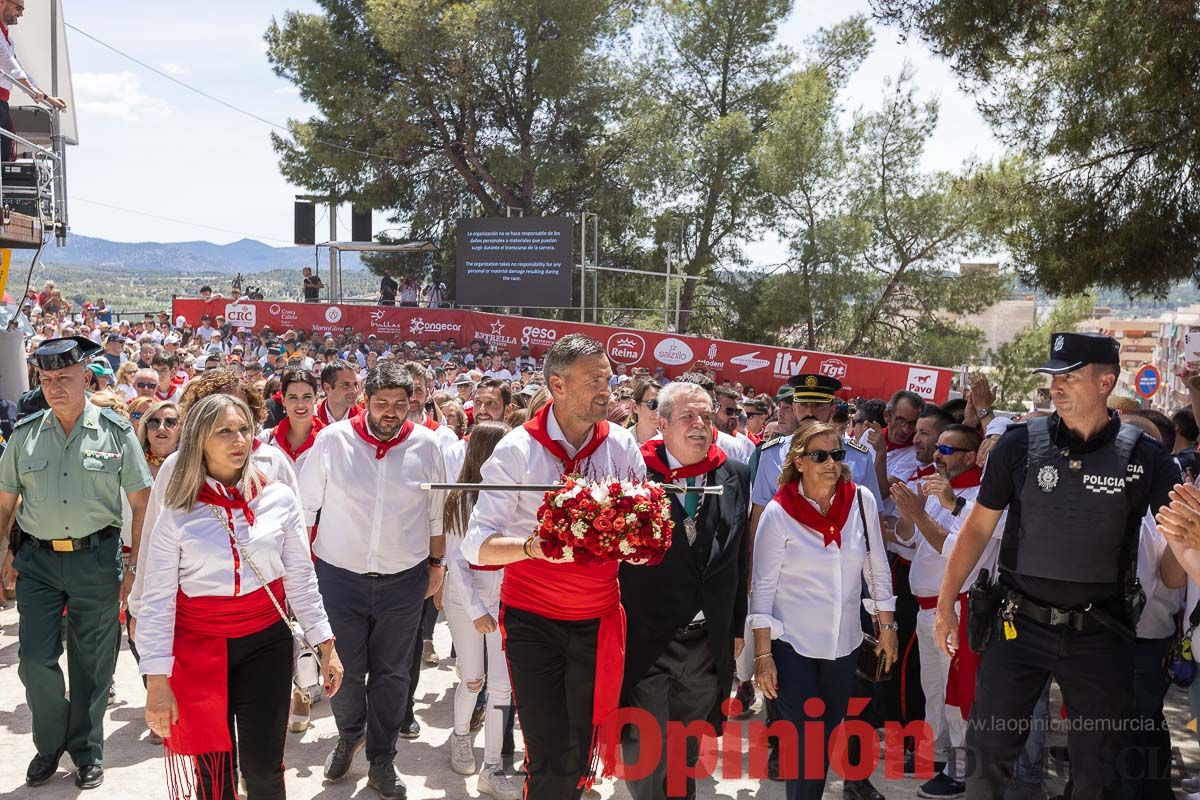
1081, 620
70, 545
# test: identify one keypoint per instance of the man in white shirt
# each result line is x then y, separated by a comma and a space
379, 553
738, 446
935, 508
10, 15
339, 384
561, 621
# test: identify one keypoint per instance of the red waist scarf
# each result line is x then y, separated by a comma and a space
281, 437
198, 680
828, 525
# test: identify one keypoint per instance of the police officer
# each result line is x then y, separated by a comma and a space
1077, 484
69, 464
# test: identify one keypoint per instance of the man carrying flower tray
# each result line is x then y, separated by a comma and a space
686, 614
561, 616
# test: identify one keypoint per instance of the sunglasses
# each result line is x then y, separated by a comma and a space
652, 405
730, 412
154, 424
821, 456
144, 385
948, 450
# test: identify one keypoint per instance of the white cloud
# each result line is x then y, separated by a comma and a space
118, 95
176, 69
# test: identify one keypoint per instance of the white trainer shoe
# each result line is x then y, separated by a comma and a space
494, 781
462, 754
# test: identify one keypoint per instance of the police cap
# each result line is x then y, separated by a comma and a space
1070, 351
813, 388
64, 352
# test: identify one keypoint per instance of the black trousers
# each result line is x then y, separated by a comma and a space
680, 687
375, 620
260, 687
8, 149
1147, 764
552, 664
1094, 669
429, 614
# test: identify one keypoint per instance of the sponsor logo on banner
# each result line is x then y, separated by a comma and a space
673, 352
710, 360
626, 348
922, 381
419, 326
240, 315
274, 309
833, 368
538, 337
750, 361
496, 337
787, 365
333, 315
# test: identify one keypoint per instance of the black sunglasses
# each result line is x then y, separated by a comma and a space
144, 385
821, 456
154, 424
730, 412
652, 405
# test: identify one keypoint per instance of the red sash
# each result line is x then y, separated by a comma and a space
359, 423
200, 685
650, 454
280, 437
960, 681
828, 525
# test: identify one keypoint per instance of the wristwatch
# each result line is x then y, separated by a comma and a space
437, 561
980, 413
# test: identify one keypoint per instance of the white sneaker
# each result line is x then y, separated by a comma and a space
494, 781
462, 754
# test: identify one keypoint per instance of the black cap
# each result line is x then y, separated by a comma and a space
813, 388
65, 352
1070, 351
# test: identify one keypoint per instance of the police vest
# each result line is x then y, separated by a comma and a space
1074, 522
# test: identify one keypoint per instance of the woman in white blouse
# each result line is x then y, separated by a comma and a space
296, 432
810, 560
229, 550
472, 605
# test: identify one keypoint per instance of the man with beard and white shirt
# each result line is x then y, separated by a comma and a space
379, 555
492, 402
726, 421
935, 508
339, 382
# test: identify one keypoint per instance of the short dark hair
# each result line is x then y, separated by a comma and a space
564, 352
870, 411
956, 408
499, 385
970, 435
912, 397
293, 375
204, 289
162, 360
1166, 429
944, 420
722, 392
388, 375
1185, 425
330, 371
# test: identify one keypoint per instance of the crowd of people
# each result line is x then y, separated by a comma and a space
253, 506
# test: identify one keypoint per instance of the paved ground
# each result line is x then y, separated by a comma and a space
134, 768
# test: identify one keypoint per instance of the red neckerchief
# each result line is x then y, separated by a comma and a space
323, 413
654, 453
923, 472
431, 423
755, 438
4, 30
228, 498
890, 446
281, 437
158, 393
538, 429
829, 526
359, 423
969, 479
255, 445
278, 398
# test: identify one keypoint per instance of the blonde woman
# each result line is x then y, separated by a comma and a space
158, 433
229, 551
125, 380
817, 541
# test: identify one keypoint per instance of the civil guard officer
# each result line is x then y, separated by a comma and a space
68, 465
1077, 484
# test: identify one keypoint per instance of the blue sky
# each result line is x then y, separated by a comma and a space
148, 145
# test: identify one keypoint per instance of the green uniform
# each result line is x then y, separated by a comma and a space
70, 488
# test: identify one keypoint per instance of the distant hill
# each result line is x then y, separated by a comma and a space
245, 255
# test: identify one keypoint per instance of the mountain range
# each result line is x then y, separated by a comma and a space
244, 255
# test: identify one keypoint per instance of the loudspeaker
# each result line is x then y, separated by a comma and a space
360, 225
306, 223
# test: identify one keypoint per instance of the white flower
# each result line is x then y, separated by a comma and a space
599, 493
568, 553
625, 547
579, 528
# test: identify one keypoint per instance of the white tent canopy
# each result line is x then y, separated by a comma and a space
41, 41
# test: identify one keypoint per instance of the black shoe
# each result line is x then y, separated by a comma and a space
337, 765
860, 790
773, 763
42, 768
89, 776
382, 778
410, 730
910, 764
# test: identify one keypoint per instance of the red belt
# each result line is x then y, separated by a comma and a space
928, 603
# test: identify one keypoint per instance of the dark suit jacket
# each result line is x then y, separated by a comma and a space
662, 598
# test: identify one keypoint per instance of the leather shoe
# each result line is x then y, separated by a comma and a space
89, 776
860, 790
42, 768
410, 730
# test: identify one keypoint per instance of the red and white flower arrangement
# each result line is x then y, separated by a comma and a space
597, 521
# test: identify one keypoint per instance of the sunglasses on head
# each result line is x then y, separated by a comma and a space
949, 450
154, 424
821, 456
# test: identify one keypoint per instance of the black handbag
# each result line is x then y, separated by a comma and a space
871, 666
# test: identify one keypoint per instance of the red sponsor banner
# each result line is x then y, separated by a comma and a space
763, 367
